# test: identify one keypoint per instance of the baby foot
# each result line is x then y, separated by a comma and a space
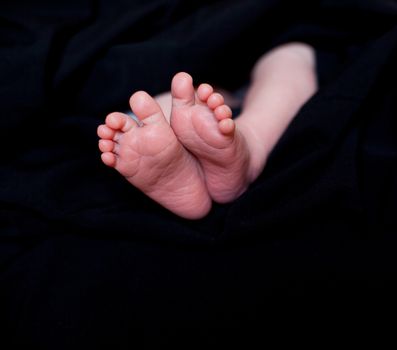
152, 159
203, 124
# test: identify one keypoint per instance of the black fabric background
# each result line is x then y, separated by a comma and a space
85, 257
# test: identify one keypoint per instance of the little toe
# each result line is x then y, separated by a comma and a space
182, 90
222, 112
120, 121
105, 132
146, 108
215, 100
204, 91
109, 159
106, 145
227, 126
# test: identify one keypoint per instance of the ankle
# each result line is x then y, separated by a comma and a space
257, 147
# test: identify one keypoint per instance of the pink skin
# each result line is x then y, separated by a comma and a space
234, 153
203, 124
197, 152
152, 159
165, 101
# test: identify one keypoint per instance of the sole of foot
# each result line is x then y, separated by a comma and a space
152, 159
202, 123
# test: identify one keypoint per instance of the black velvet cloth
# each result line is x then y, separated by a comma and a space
85, 257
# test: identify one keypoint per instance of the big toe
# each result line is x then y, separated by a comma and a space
182, 90
146, 108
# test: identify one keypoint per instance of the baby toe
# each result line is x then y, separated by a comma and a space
227, 126
109, 159
105, 132
146, 108
182, 90
119, 121
106, 145
222, 112
204, 91
215, 100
